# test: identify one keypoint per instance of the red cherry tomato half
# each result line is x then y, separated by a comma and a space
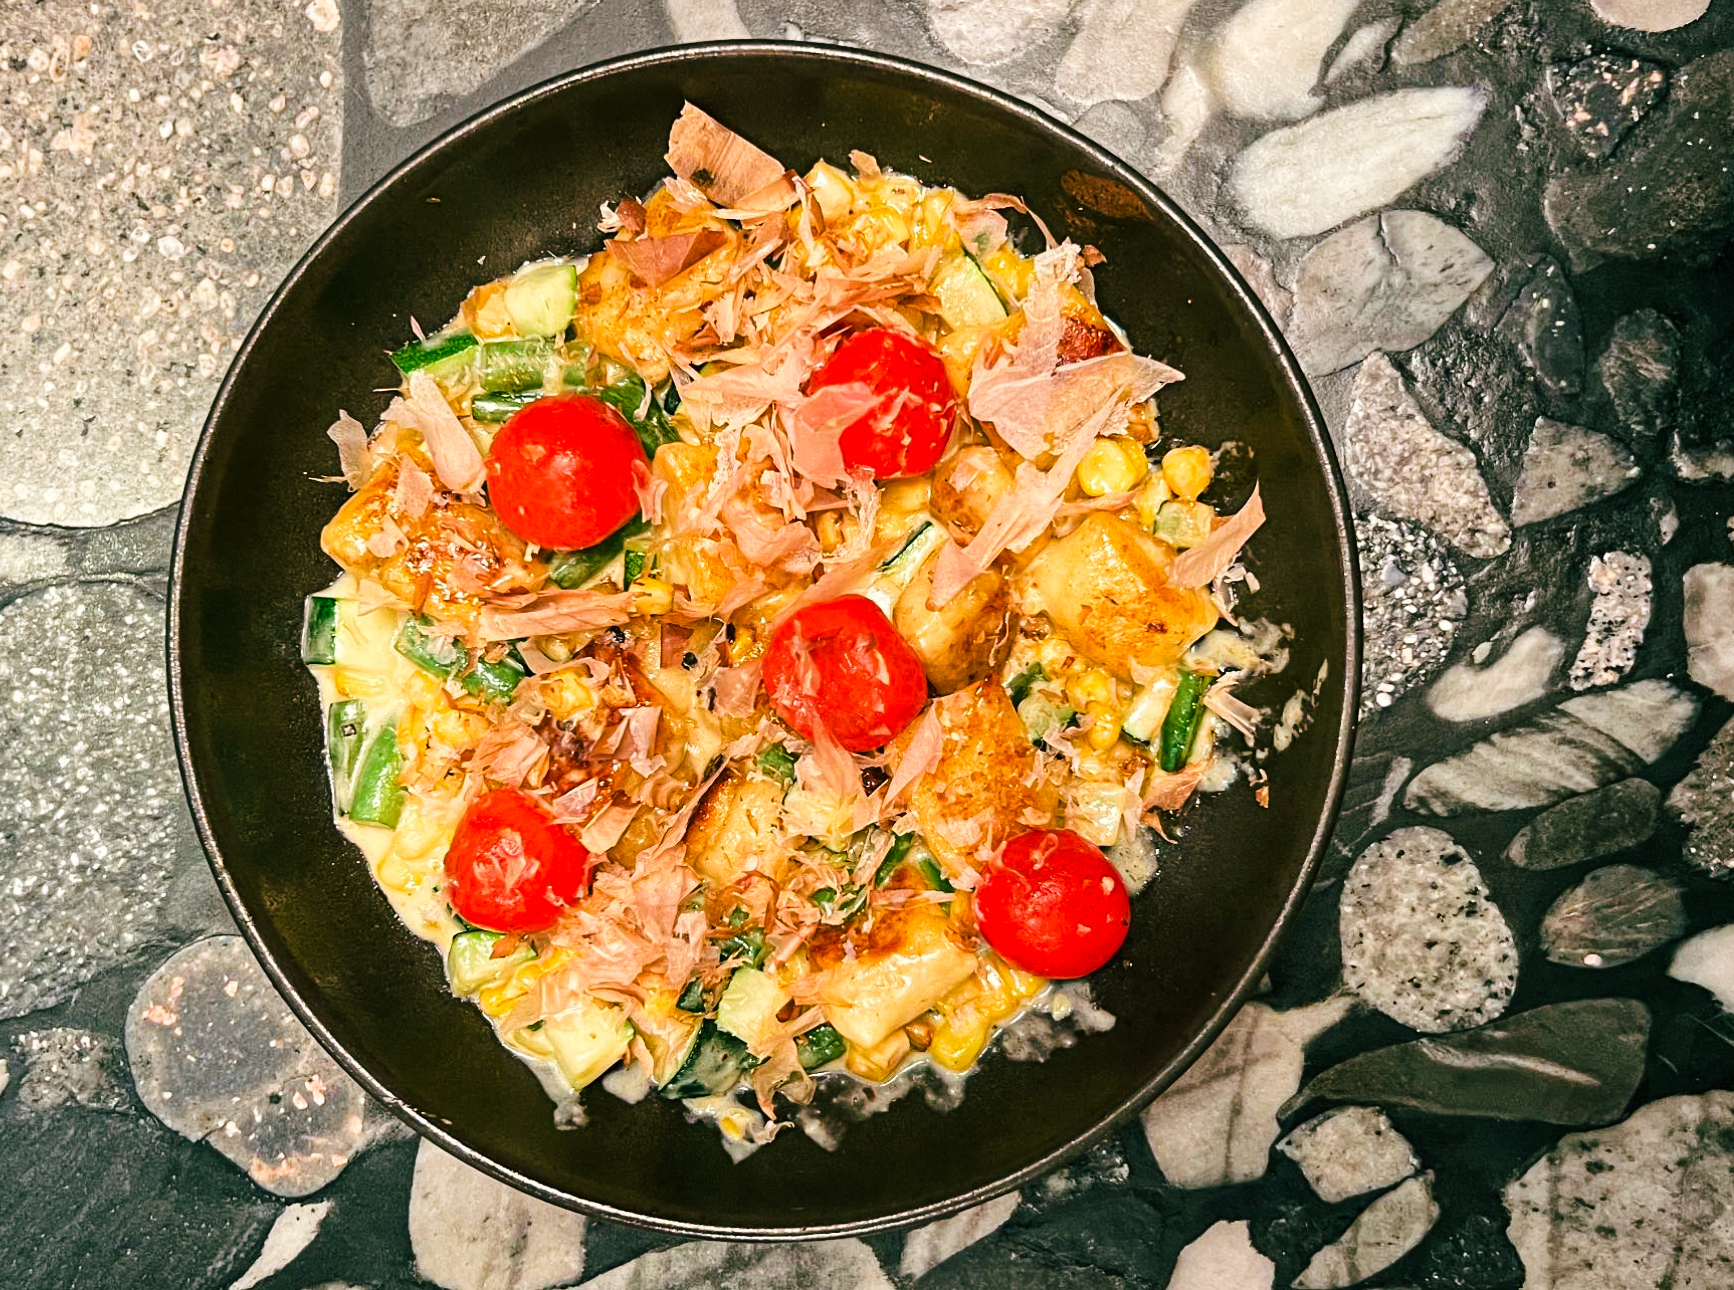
561, 472
842, 662
1053, 905
510, 867
907, 433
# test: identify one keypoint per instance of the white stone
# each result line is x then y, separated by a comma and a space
1217, 1123
1619, 616
1385, 1231
1349, 1152
293, 1232
470, 1232
1362, 47
1310, 177
1265, 60
1412, 471
1223, 1259
1650, 15
1708, 960
699, 20
1465, 692
1647, 1204
1387, 282
1257, 271
706, 1265
28, 557
1447, 26
927, 1247
984, 32
1565, 467
1122, 50
1187, 106
1710, 627
1422, 940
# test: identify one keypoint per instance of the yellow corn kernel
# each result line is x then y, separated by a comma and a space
1024, 985
830, 529
1010, 271
486, 312
1104, 731
1187, 471
558, 648
684, 465
831, 190
424, 689
458, 729
1111, 466
893, 228
565, 695
358, 683
652, 596
498, 999
906, 496
956, 1046
1150, 497
1092, 687
931, 226
958, 350
1141, 425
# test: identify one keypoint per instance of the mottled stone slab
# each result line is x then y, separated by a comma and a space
92, 820
1588, 827
421, 54
1600, 98
1264, 61
1614, 916
1223, 1259
703, 1265
1383, 283
67, 1066
1445, 28
1422, 940
1709, 623
1708, 960
1218, 1121
1307, 178
1543, 323
469, 1232
218, 1057
1704, 803
1384, 1232
1412, 471
1468, 692
1639, 368
1668, 189
1650, 15
1566, 467
1349, 1152
1566, 1063
1643, 1205
927, 1247
1619, 616
1583, 744
164, 166
1413, 601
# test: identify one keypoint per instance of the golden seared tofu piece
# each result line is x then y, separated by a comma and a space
965, 487
962, 640
986, 785
907, 961
737, 827
1105, 585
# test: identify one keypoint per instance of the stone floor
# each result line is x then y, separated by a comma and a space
1497, 1048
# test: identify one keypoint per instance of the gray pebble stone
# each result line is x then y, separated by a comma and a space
1413, 601
1619, 616
1411, 471
1422, 940
1704, 803
1638, 367
218, 1057
470, 1232
1582, 744
1384, 1232
137, 546
1650, 15
1583, 828
1638, 1206
1543, 323
1387, 283
163, 165
1615, 915
31, 557
92, 819
1566, 467
927, 1247
1710, 627
1446, 27
702, 1265
67, 1066
1602, 97
1348, 1152
1518, 676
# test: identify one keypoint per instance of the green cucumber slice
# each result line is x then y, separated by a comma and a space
319, 630
966, 297
378, 796
491, 409
470, 963
439, 356
542, 299
819, 1046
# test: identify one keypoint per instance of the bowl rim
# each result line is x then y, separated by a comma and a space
1347, 570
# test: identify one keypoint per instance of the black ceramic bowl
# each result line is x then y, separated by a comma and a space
525, 180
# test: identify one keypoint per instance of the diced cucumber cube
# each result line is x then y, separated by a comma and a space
542, 299
470, 963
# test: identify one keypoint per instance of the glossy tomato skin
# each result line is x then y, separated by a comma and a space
510, 867
562, 472
842, 662
908, 375
1053, 905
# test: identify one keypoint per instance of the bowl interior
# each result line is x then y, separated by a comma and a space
526, 181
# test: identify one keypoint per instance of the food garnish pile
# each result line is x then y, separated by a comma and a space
751, 636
